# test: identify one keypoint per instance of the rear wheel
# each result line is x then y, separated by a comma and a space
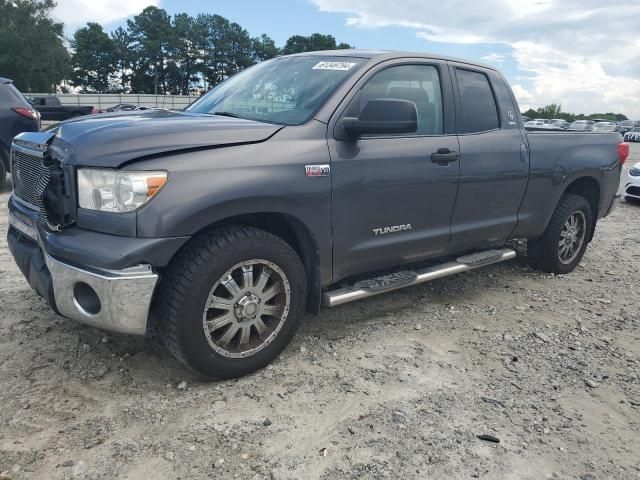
565, 240
231, 301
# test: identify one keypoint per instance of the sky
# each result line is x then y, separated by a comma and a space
582, 54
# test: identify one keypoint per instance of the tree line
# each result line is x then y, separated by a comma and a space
554, 110
154, 53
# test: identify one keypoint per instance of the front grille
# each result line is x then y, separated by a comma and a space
30, 178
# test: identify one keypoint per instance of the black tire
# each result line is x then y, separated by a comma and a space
3, 173
185, 288
543, 253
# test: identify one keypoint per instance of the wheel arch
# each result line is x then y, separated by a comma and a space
293, 231
588, 188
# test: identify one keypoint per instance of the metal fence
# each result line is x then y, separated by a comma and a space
106, 100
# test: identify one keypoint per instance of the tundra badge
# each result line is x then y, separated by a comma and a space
394, 229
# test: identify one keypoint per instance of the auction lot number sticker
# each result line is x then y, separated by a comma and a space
333, 66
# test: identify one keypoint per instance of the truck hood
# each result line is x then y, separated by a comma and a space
113, 139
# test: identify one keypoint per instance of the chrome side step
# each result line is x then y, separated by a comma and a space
395, 281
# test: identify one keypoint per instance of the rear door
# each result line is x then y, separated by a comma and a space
493, 159
391, 203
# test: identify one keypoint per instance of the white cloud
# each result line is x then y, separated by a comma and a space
77, 12
583, 54
493, 58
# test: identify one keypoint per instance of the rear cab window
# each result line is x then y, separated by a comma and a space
478, 104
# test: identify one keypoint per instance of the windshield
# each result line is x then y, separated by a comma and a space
628, 123
286, 91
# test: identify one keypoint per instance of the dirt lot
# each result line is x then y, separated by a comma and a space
394, 387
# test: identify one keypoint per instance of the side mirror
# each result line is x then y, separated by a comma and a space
383, 116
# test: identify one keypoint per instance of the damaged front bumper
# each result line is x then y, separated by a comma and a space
116, 300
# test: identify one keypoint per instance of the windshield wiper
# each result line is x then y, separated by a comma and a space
228, 114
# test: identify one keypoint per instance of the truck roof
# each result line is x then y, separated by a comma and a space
389, 55
5, 80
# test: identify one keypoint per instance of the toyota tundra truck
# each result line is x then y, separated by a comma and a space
304, 181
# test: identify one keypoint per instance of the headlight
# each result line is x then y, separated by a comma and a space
634, 172
117, 191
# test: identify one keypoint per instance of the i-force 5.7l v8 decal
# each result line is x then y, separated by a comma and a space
394, 229
317, 170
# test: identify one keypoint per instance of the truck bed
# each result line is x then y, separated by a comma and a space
555, 157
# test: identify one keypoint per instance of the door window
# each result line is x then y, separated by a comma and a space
419, 84
479, 110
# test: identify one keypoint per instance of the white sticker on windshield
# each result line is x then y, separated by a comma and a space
333, 66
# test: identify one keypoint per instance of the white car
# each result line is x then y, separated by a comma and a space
632, 184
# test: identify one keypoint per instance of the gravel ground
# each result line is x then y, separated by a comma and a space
399, 386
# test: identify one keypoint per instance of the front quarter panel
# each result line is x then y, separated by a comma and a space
206, 187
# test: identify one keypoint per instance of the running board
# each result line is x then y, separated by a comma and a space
394, 281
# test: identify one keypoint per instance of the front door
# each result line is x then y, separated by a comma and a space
392, 203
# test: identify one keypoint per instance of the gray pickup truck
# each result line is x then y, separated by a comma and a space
307, 180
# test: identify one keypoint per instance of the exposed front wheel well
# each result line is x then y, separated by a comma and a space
588, 188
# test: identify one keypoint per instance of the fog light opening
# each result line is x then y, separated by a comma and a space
86, 299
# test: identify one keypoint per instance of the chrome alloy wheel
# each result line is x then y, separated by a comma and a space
246, 308
572, 237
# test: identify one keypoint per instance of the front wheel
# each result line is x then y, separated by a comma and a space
231, 301
565, 240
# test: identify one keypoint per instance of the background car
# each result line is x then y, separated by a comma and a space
603, 127
16, 116
125, 107
582, 125
633, 135
121, 107
627, 125
563, 124
632, 184
51, 109
535, 123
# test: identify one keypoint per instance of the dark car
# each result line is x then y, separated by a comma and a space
318, 178
125, 107
51, 108
16, 116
